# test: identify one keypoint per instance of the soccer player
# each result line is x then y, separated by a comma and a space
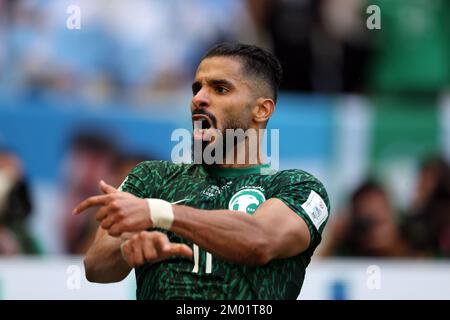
219, 231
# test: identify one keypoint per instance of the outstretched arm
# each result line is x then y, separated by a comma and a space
273, 231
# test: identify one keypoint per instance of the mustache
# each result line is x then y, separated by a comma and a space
208, 114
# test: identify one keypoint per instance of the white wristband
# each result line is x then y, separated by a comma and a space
161, 213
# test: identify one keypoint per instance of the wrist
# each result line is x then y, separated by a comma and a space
161, 213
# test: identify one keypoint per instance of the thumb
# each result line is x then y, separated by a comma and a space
106, 188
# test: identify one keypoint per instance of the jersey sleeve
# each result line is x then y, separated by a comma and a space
144, 180
307, 197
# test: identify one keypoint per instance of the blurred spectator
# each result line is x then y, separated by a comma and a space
369, 229
90, 158
15, 208
323, 45
122, 53
428, 224
124, 163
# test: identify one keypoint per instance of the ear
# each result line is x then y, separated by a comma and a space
263, 110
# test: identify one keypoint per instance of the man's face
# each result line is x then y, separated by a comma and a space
222, 98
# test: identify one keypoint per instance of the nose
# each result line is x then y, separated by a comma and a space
201, 99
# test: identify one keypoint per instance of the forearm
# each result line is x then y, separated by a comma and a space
104, 262
230, 235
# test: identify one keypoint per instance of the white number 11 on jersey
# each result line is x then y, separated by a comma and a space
197, 259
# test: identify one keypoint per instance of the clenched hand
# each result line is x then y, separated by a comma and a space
119, 211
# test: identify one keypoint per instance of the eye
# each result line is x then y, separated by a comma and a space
221, 90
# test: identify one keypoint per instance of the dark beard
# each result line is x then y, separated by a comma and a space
230, 146
227, 146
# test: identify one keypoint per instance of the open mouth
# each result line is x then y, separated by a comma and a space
202, 127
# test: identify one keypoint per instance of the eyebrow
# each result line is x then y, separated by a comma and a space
220, 82
213, 82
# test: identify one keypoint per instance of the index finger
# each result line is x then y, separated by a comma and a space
90, 202
161, 242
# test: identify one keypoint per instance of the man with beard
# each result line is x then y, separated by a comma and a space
213, 231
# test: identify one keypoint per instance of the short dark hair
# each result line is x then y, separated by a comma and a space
256, 61
368, 186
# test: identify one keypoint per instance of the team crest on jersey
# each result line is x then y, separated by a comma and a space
246, 200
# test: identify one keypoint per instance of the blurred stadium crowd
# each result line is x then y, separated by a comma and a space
137, 52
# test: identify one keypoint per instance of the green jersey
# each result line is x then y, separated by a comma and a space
242, 189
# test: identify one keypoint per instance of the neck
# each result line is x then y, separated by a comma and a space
246, 153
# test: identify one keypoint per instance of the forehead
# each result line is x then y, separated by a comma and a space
220, 68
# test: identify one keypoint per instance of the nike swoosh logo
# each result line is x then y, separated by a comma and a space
182, 200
